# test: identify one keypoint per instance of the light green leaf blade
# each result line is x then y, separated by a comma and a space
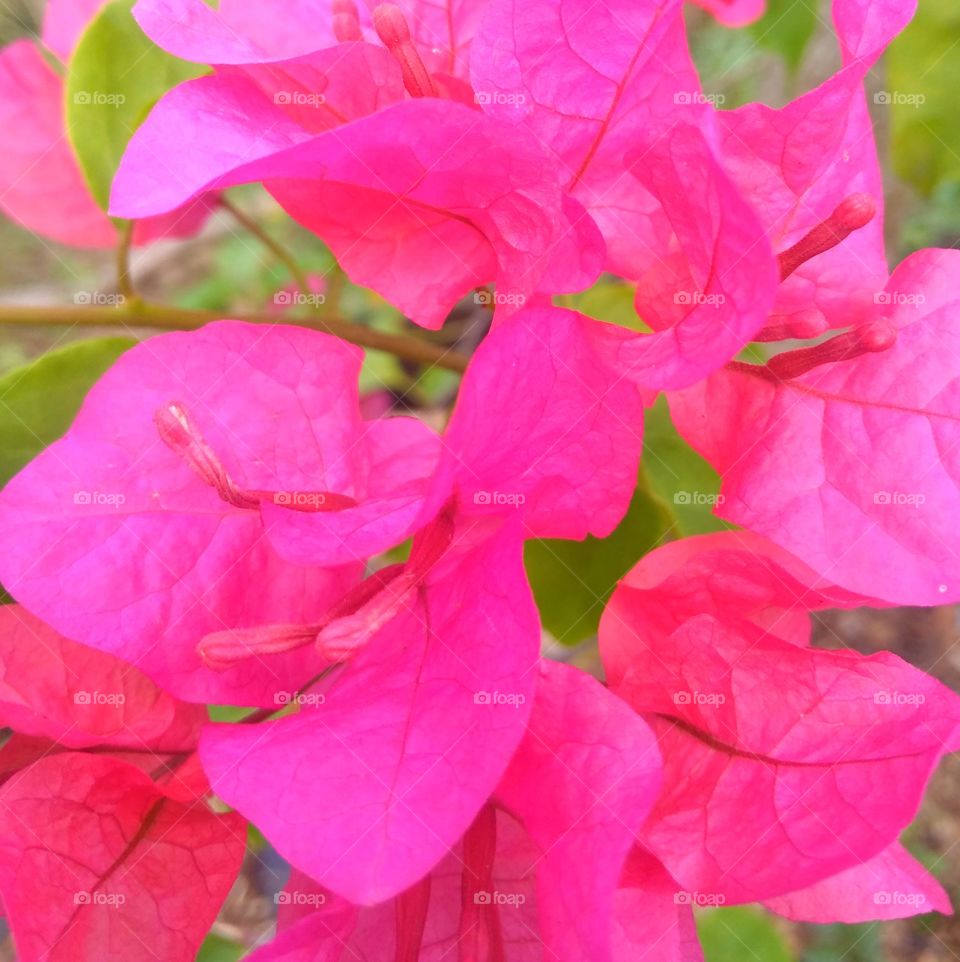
38, 401
682, 479
741, 932
116, 74
572, 580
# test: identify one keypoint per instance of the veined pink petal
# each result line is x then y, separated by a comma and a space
423, 182
709, 290
51, 686
654, 919
891, 885
237, 31
403, 455
41, 187
368, 789
97, 861
865, 27
793, 188
590, 80
600, 768
823, 754
853, 466
120, 544
546, 426
509, 890
737, 577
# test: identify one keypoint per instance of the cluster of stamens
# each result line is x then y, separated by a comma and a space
878, 334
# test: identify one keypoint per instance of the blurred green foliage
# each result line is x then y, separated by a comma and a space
39, 400
923, 80
741, 934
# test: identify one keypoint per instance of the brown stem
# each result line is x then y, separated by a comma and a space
274, 246
141, 314
124, 243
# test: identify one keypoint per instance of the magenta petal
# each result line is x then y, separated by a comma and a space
546, 425
41, 186
654, 920
422, 201
891, 885
121, 545
782, 765
599, 766
403, 454
589, 80
722, 278
865, 27
63, 23
793, 189
80, 697
737, 577
237, 31
368, 790
443, 32
852, 467
95, 857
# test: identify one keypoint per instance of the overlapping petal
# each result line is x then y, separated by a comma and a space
385, 767
853, 466
97, 860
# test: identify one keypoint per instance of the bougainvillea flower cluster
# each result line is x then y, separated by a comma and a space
224, 523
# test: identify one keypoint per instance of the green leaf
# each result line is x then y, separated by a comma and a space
572, 580
608, 300
114, 77
738, 933
786, 29
685, 482
923, 76
39, 400
216, 949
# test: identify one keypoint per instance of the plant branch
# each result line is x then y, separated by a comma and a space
274, 246
124, 279
141, 314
